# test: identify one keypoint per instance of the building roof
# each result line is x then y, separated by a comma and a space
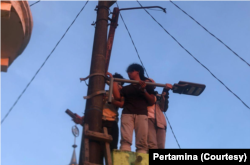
16, 28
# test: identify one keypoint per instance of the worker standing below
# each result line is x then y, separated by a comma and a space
156, 120
134, 115
161, 123
110, 114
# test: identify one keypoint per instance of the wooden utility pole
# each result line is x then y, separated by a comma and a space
94, 105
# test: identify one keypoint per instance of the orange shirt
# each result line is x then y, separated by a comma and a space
110, 112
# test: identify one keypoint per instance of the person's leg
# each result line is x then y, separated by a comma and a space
127, 128
141, 133
161, 137
112, 128
115, 135
152, 140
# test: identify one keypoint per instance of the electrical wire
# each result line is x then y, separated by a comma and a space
42, 64
211, 33
35, 3
172, 130
132, 41
196, 59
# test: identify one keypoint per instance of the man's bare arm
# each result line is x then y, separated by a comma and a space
116, 91
78, 119
118, 103
150, 98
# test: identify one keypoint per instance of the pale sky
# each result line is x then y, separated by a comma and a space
38, 131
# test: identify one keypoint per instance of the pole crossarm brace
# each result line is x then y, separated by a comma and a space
145, 7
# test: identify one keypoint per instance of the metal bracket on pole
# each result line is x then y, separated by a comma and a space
94, 74
91, 75
145, 7
110, 89
94, 23
111, 35
104, 7
95, 94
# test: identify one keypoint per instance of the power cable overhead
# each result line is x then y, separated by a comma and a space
35, 3
211, 33
146, 72
172, 131
42, 64
196, 59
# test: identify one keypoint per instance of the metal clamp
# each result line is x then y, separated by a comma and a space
110, 89
91, 75
104, 7
94, 23
95, 94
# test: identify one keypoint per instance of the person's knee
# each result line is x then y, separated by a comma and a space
152, 146
152, 142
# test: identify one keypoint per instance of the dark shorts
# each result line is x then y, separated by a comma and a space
113, 130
